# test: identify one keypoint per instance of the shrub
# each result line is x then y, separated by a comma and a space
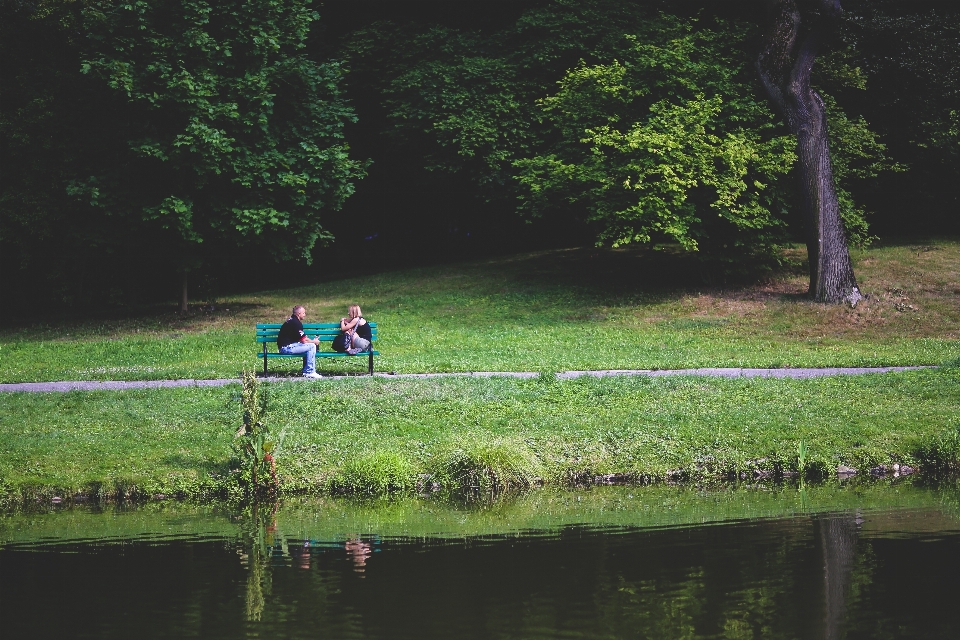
376, 473
490, 465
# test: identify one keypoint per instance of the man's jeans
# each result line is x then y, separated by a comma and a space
309, 351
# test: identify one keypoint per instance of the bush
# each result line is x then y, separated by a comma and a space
491, 465
376, 473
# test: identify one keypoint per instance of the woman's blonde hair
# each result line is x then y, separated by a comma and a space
354, 311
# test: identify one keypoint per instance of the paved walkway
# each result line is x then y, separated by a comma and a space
42, 387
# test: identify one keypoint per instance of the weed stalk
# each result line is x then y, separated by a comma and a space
252, 442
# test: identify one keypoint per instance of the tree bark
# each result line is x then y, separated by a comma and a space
183, 294
786, 59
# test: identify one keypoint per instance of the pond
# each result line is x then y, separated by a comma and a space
868, 560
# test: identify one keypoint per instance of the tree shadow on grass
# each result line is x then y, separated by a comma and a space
921, 243
641, 272
149, 317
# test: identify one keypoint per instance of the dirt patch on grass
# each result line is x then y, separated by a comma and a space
910, 291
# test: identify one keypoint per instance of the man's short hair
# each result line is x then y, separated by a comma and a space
296, 308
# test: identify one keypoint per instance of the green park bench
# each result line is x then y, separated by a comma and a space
325, 332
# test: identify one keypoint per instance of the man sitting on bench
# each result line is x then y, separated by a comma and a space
293, 341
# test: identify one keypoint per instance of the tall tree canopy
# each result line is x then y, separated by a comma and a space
235, 135
185, 133
665, 142
651, 126
220, 131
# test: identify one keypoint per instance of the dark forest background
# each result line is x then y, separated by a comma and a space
96, 157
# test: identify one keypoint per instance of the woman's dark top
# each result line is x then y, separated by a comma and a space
363, 331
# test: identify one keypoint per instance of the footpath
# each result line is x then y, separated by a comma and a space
93, 385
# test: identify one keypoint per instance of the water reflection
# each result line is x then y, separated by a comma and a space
359, 551
255, 545
263, 546
314, 569
837, 537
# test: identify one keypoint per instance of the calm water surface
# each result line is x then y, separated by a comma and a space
624, 563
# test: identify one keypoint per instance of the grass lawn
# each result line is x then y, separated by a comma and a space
380, 434
549, 311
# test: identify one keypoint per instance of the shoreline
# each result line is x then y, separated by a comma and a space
44, 497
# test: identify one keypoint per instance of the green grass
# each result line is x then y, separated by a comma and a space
550, 311
555, 310
377, 435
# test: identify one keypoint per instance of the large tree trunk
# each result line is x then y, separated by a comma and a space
785, 62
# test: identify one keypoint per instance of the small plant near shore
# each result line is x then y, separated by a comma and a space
802, 470
252, 442
547, 377
491, 465
941, 455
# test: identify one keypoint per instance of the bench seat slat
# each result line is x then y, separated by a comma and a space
322, 338
272, 337
320, 354
310, 325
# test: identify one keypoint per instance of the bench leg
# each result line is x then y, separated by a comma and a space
371, 362
264, 359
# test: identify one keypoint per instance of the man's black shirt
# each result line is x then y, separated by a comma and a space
290, 332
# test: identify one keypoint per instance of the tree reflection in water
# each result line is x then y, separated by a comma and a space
323, 572
837, 536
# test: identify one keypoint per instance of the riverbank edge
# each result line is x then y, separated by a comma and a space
228, 490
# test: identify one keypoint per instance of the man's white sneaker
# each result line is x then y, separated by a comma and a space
313, 375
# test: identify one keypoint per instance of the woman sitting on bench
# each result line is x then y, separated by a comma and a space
356, 335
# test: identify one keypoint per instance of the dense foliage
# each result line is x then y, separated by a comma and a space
214, 131
909, 57
232, 129
651, 126
661, 142
187, 136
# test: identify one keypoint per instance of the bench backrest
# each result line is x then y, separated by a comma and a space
324, 331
